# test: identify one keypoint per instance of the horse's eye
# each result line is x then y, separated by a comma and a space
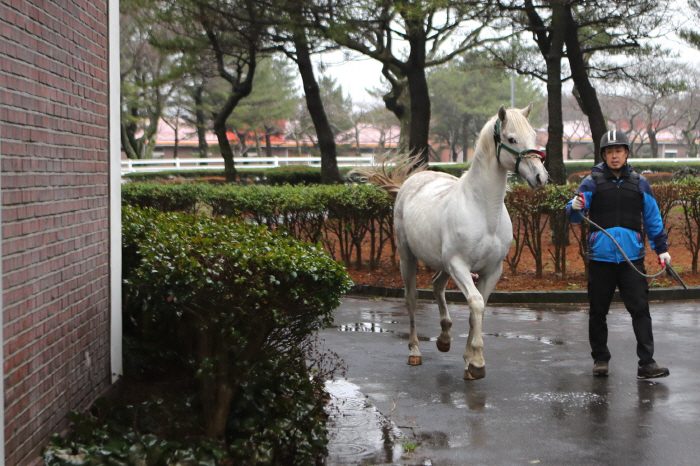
511, 140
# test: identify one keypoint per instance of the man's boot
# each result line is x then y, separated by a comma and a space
600, 369
652, 371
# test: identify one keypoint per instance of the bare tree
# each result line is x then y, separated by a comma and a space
652, 87
625, 115
575, 128
689, 124
147, 76
407, 37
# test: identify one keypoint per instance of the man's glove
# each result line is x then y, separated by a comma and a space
664, 258
579, 202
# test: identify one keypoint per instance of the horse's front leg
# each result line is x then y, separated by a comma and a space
487, 282
475, 365
444, 341
408, 274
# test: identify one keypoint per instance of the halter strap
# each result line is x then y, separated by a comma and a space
518, 155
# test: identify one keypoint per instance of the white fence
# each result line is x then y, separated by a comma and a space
155, 165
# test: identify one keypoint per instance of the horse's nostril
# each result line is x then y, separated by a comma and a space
539, 180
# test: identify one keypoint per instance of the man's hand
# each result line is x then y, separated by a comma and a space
664, 258
579, 202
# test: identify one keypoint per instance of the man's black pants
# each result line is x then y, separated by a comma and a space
603, 278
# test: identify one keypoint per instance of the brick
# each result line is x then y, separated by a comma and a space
55, 180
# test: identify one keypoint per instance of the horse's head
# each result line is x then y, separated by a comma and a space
515, 145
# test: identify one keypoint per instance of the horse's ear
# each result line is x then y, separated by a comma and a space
502, 113
526, 111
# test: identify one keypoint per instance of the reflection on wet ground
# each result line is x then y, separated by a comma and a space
376, 328
545, 340
361, 327
539, 403
359, 434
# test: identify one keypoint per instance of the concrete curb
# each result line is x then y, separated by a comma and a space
525, 297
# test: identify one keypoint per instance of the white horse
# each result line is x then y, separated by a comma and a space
460, 226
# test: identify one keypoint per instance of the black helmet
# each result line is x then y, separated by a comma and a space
614, 138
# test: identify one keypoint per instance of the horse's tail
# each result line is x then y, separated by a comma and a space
389, 172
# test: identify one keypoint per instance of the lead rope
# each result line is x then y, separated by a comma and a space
592, 223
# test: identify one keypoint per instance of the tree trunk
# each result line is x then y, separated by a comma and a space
238, 91
268, 141
465, 139
221, 390
131, 129
258, 147
653, 142
418, 141
586, 93
555, 151
398, 102
692, 145
177, 134
240, 88
201, 122
225, 148
128, 143
324, 133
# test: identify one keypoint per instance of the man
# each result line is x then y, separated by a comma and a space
619, 200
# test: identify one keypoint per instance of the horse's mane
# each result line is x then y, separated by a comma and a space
389, 171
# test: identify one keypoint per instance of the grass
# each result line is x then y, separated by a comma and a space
409, 446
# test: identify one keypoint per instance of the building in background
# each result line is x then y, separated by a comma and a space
363, 140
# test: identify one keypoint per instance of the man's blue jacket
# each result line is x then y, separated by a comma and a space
600, 247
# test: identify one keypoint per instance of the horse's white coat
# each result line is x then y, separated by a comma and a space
460, 226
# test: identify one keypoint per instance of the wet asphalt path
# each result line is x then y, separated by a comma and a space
539, 403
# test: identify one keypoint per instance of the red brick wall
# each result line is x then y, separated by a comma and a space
55, 225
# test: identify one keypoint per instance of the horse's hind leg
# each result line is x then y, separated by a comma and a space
474, 352
408, 274
440, 280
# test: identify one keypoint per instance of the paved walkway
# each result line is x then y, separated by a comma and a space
539, 403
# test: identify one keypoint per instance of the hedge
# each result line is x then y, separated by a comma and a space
339, 216
236, 306
248, 174
342, 217
233, 299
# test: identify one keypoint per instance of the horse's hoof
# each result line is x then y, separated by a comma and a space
415, 360
474, 373
444, 347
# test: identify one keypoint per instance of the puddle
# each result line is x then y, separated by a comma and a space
545, 340
371, 327
362, 327
579, 400
358, 432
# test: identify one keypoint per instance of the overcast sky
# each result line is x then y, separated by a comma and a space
360, 73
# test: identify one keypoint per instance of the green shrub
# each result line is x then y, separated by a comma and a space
452, 169
236, 293
174, 197
293, 175
115, 433
253, 174
279, 418
342, 216
353, 213
261, 203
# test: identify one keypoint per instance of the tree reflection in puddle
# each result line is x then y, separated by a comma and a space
358, 432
